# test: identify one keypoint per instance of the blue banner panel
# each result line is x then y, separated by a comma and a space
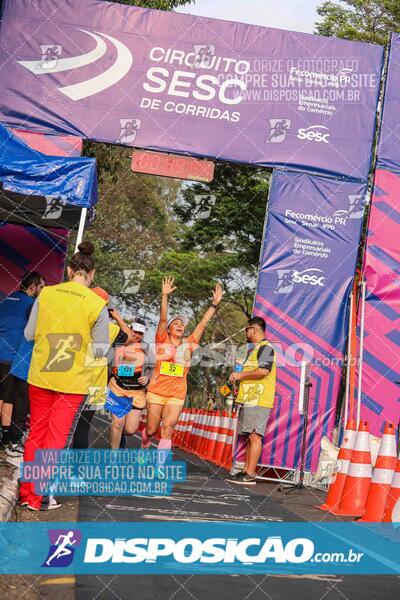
199, 548
26, 171
189, 84
307, 266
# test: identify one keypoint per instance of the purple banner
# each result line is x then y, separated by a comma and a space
380, 387
307, 266
186, 84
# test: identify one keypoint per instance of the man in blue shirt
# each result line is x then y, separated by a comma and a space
14, 313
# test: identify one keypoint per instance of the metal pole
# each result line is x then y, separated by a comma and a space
349, 358
81, 229
360, 363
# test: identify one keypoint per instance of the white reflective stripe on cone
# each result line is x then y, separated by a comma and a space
349, 439
342, 466
359, 470
388, 446
396, 512
362, 441
396, 480
223, 438
197, 431
384, 476
213, 435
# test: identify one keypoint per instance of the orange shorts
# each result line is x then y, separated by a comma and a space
164, 400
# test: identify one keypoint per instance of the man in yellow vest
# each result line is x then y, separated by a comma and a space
256, 395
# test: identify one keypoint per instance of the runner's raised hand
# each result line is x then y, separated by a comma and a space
168, 285
217, 294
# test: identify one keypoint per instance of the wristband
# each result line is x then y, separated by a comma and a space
215, 306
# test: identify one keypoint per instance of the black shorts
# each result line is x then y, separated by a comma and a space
6, 383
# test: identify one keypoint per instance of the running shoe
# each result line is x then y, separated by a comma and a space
51, 505
235, 477
15, 461
15, 450
4, 445
245, 479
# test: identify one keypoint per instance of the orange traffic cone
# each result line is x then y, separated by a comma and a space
391, 514
227, 454
342, 466
221, 438
187, 435
212, 435
382, 476
355, 489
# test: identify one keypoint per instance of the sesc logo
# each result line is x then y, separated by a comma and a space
314, 133
287, 278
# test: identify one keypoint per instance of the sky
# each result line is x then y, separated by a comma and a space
296, 15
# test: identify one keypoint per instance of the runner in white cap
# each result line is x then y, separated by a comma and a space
167, 389
132, 370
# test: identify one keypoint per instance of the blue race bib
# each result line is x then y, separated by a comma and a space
126, 370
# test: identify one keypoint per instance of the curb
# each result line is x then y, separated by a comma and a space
8, 495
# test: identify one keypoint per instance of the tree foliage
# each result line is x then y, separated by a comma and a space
159, 4
361, 20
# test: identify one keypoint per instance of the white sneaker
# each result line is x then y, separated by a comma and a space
15, 450
15, 461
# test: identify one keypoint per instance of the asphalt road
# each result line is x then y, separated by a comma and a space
207, 497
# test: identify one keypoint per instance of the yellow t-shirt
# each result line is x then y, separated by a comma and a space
66, 315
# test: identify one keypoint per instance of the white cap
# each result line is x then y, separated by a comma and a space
181, 317
139, 327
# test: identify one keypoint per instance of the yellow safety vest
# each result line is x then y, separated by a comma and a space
98, 389
257, 392
61, 358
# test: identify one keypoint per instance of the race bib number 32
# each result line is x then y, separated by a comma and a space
171, 369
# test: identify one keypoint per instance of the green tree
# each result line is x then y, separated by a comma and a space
361, 20
219, 229
133, 227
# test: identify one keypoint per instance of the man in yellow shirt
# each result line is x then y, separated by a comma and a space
256, 396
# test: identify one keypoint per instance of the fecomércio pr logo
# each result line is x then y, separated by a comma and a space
63, 543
